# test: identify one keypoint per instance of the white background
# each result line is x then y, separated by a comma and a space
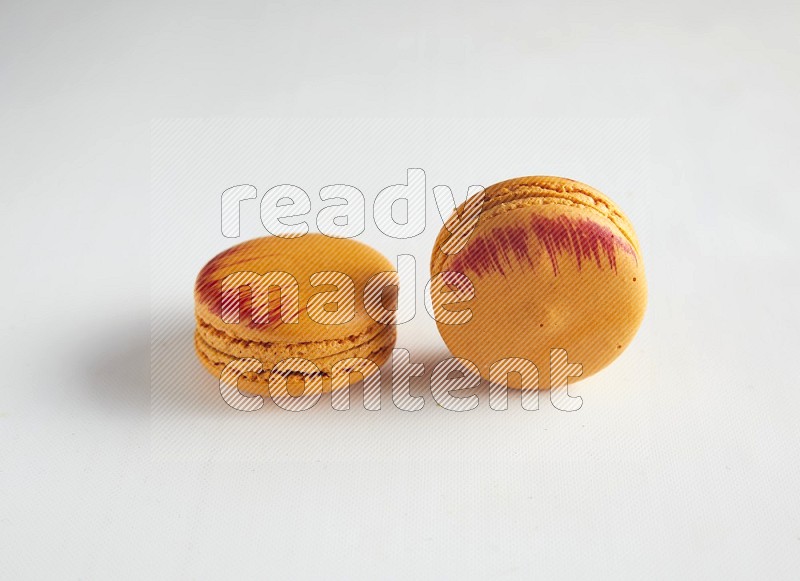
682, 462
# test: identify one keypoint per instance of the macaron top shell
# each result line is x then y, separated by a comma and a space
555, 265
536, 191
301, 258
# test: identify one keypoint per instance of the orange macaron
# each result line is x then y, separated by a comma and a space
296, 307
553, 264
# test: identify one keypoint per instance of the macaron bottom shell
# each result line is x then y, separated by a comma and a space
375, 347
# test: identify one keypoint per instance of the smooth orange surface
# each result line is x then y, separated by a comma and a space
554, 264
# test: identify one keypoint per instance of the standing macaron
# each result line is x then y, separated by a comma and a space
555, 264
300, 301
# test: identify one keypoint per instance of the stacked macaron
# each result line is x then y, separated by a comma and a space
291, 300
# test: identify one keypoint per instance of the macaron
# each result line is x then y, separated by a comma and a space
554, 264
295, 303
